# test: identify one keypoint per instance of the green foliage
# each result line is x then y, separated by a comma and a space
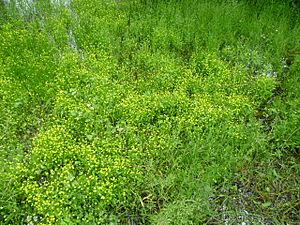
62, 179
118, 112
286, 114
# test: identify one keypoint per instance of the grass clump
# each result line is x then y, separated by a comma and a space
149, 112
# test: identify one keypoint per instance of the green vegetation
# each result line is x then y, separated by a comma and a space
149, 112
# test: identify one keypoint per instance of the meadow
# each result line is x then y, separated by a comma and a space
149, 112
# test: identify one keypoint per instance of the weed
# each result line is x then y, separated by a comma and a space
149, 112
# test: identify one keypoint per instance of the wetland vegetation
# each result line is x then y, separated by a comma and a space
149, 112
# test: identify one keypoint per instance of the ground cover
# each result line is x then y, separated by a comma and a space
149, 112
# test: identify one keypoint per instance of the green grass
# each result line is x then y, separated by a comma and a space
149, 112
